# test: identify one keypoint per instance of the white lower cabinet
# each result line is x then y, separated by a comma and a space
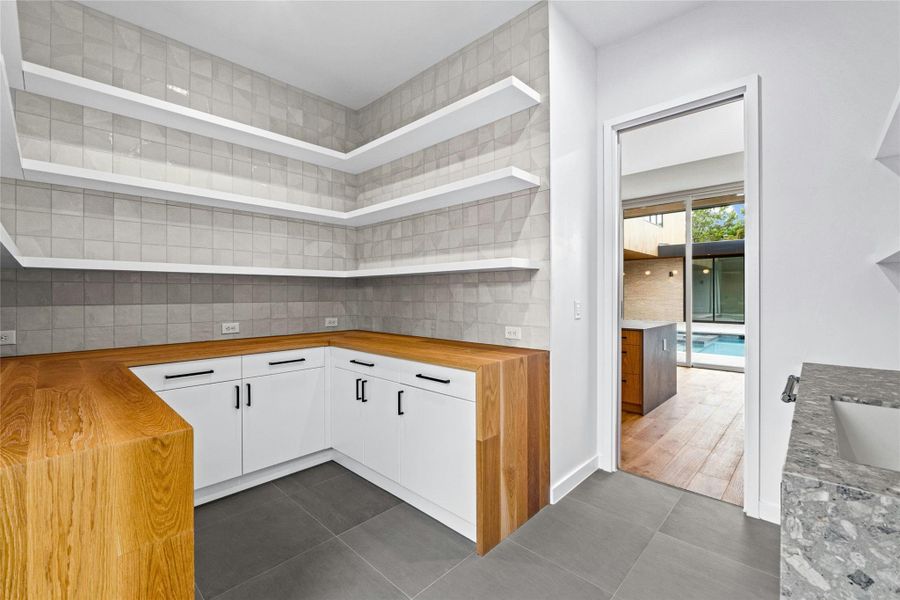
437, 450
213, 410
381, 427
346, 414
283, 417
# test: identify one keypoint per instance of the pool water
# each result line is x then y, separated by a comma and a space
715, 343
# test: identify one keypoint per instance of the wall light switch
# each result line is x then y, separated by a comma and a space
579, 307
231, 328
331, 321
7, 337
513, 333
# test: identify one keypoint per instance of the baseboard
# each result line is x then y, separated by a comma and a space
770, 511
239, 484
571, 481
431, 509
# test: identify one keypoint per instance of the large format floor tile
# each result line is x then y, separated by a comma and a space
676, 570
590, 542
629, 497
410, 548
510, 572
724, 529
291, 484
236, 548
344, 501
229, 506
330, 571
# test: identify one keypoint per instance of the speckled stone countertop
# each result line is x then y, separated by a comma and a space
636, 324
812, 450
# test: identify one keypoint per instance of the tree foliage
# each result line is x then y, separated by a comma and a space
718, 223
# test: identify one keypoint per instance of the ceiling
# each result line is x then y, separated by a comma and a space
351, 52
607, 22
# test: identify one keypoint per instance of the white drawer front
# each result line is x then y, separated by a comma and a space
444, 380
170, 376
270, 363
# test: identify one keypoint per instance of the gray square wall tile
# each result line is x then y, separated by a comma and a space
408, 547
675, 570
724, 529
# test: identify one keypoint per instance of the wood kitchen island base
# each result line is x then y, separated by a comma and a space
96, 470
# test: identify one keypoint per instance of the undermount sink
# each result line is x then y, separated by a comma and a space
867, 434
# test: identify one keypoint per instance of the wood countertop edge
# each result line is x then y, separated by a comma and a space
462, 355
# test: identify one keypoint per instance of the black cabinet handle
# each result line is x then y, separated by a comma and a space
248, 394
420, 376
400, 402
272, 363
209, 372
358, 397
363, 395
237, 397
365, 364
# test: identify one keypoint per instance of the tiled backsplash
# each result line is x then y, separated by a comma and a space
67, 222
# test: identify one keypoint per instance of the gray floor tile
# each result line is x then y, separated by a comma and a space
234, 549
408, 547
345, 501
229, 506
724, 529
510, 572
588, 541
675, 570
197, 594
295, 482
329, 571
628, 496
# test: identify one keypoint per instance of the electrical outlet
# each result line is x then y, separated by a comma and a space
330, 321
231, 328
7, 337
513, 333
579, 308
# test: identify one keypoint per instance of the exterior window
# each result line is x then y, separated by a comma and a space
718, 289
655, 219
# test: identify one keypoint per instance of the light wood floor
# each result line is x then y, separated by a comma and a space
694, 440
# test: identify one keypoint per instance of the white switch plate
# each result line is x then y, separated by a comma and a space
231, 328
513, 333
330, 321
7, 337
578, 309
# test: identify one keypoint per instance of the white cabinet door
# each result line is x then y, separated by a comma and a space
215, 414
437, 450
346, 420
284, 417
381, 426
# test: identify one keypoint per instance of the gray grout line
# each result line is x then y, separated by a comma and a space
358, 525
556, 564
362, 558
737, 562
450, 570
197, 588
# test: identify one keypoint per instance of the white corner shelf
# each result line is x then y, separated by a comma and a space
888, 152
502, 181
892, 259
11, 254
501, 99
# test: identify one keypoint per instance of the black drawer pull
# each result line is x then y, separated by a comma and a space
435, 379
400, 402
365, 364
237, 397
363, 393
248, 394
209, 372
272, 363
358, 397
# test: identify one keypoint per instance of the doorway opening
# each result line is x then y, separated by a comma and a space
682, 300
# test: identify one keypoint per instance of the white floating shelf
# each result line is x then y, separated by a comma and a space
498, 100
495, 183
891, 259
11, 252
889, 147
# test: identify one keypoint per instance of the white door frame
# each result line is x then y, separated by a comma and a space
609, 274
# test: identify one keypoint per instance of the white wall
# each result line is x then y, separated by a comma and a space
828, 73
573, 205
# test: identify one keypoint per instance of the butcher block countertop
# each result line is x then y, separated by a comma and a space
86, 448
